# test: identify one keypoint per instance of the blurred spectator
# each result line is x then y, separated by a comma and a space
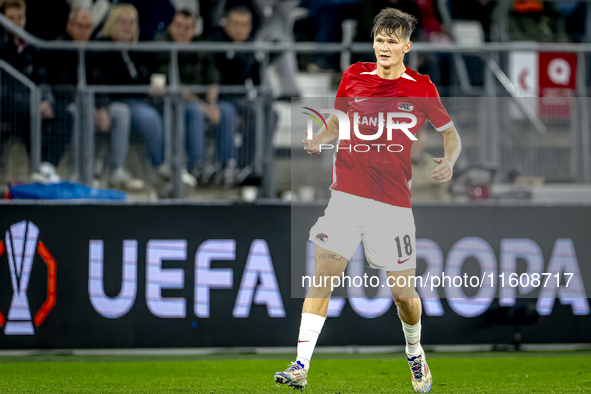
269, 22
99, 9
243, 68
478, 10
199, 69
154, 16
79, 27
219, 12
27, 60
21, 55
190, 6
130, 68
109, 116
423, 188
193, 8
533, 21
236, 67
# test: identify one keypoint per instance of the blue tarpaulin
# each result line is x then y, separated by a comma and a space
63, 191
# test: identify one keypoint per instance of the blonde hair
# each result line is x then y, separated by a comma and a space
121, 11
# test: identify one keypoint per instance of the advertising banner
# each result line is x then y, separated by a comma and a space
121, 276
547, 75
558, 81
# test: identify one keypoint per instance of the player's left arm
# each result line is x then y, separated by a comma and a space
452, 146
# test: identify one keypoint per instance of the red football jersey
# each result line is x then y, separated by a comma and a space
383, 172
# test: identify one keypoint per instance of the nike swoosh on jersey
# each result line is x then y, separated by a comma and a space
357, 100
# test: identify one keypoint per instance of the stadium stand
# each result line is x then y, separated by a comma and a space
238, 132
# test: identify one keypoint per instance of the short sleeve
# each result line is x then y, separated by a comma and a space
339, 103
435, 112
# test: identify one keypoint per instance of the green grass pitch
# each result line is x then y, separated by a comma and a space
490, 373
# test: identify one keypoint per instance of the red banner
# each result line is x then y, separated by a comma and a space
558, 81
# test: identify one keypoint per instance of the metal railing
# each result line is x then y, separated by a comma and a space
174, 127
517, 97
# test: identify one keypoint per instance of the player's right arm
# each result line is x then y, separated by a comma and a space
313, 142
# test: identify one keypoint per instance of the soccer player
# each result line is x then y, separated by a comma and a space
370, 193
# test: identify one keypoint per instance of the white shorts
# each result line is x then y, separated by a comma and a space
387, 232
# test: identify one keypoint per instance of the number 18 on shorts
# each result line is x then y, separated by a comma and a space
386, 231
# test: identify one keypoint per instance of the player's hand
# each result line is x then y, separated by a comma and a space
312, 146
443, 172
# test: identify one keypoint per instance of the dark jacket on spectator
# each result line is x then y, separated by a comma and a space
27, 60
194, 68
62, 66
62, 70
121, 68
235, 67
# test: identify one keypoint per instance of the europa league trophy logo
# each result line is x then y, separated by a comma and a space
21, 244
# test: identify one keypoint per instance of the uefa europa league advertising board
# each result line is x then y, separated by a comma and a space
101, 276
